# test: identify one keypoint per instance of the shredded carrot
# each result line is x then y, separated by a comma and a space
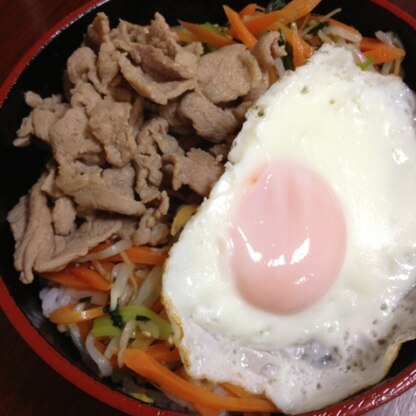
162, 353
368, 43
146, 366
82, 278
140, 255
68, 315
236, 390
379, 51
293, 11
384, 54
66, 279
248, 10
146, 255
301, 49
91, 277
342, 25
239, 28
206, 35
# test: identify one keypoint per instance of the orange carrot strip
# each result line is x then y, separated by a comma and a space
91, 277
206, 35
68, 315
146, 255
236, 390
139, 254
162, 353
384, 54
66, 279
248, 10
288, 14
143, 255
342, 25
239, 28
368, 43
142, 363
301, 49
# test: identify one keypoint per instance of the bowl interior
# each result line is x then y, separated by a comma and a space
19, 168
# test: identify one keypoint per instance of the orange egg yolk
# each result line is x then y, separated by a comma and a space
287, 238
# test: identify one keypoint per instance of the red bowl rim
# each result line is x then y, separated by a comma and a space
357, 405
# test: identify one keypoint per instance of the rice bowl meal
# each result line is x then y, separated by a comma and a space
225, 221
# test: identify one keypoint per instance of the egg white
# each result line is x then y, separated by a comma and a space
357, 130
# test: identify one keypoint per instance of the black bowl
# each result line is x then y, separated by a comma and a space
21, 167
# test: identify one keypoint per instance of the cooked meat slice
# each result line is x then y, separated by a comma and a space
149, 176
159, 92
129, 227
153, 140
89, 234
188, 57
155, 132
85, 95
210, 121
197, 169
162, 67
100, 189
63, 216
33, 216
267, 49
228, 73
98, 31
177, 123
162, 36
151, 230
220, 151
37, 249
107, 63
82, 66
136, 115
127, 35
44, 114
48, 184
70, 138
18, 218
109, 124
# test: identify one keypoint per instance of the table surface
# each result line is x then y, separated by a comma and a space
26, 382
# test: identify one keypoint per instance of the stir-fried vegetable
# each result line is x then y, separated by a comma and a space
69, 314
239, 28
303, 32
112, 323
205, 33
145, 365
80, 277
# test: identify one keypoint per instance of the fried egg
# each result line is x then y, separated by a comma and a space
295, 278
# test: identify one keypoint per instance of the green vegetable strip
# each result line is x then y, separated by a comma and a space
104, 326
